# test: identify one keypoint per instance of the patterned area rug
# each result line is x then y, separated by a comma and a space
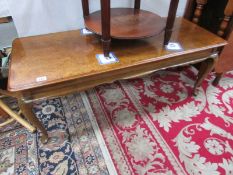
17, 153
146, 126
153, 125
73, 148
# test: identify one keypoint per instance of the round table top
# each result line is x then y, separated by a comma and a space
128, 23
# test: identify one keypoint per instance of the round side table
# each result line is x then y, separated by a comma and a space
127, 23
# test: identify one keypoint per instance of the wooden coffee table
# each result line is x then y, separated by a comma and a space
61, 63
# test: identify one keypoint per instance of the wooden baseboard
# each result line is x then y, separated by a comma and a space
5, 19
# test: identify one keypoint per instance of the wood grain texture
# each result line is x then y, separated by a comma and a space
84, 83
68, 57
127, 23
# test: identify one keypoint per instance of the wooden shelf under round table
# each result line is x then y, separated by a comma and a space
127, 23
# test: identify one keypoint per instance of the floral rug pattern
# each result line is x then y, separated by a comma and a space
17, 153
72, 149
154, 125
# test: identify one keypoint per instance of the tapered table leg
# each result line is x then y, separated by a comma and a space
170, 20
105, 23
26, 109
205, 68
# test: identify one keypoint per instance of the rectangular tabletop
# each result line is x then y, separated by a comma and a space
59, 57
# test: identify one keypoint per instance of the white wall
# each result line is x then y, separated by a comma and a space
4, 9
35, 17
158, 6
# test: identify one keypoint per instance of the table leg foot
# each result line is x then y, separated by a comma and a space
194, 93
26, 109
205, 68
217, 79
44, 139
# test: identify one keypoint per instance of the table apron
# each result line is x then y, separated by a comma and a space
85, 83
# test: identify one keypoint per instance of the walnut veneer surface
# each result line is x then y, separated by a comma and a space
128, 23
66, 56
